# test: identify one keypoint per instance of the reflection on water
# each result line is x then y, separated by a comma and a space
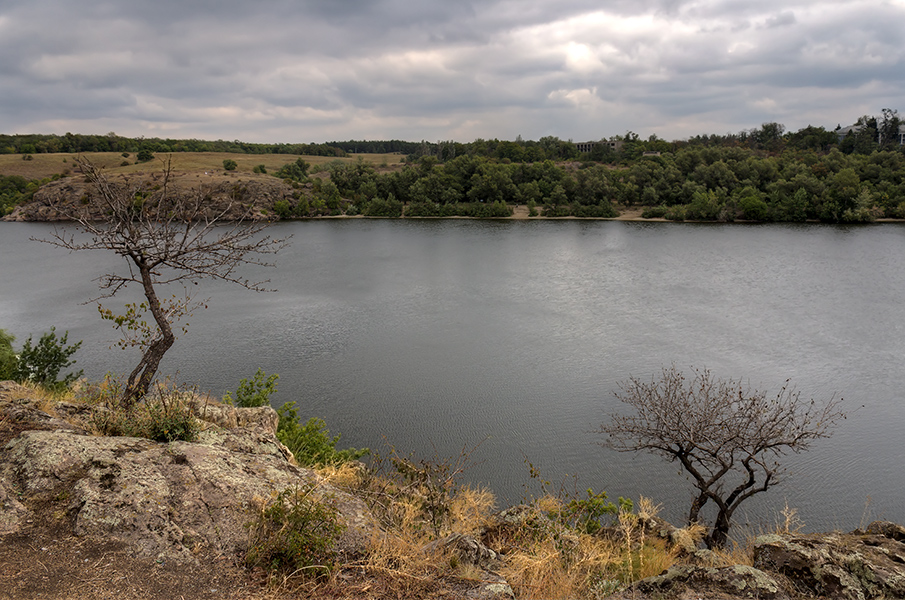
436, 336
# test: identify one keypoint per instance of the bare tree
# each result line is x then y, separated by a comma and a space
167, 237
727, 436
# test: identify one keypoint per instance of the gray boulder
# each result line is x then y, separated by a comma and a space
166, 500
686, 581
854, 566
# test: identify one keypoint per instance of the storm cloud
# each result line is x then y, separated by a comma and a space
297, 71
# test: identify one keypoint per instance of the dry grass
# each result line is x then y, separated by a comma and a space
690, 535
196, 163
544, 556
553, 560
470, 510
45, 399
568, 567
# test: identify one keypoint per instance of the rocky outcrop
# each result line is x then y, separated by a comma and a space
467, 548
471, 551
163, 500
12, 512
686, 581
849, 566
853, 566
178, 501
234, 199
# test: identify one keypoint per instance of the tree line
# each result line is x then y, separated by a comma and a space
76, 143
869, 133
763, 174
694, 183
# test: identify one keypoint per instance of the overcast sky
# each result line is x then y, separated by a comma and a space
315, 71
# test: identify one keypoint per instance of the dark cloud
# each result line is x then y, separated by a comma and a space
321, 69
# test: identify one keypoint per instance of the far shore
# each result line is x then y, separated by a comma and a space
630, 214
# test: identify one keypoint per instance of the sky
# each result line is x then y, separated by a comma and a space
303, 71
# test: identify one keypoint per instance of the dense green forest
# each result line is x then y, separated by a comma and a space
709, 183
76, 143
853, 175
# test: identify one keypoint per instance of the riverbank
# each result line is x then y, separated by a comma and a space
90, 516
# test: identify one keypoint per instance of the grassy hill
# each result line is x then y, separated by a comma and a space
46, 165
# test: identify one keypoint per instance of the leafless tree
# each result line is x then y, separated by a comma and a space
727, 436
166, 237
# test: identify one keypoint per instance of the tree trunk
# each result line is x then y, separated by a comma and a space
143, 375
719, 535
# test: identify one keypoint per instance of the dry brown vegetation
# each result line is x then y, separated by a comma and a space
539, 553
194, 164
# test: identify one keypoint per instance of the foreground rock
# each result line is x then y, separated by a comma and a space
167, 501
181, 509
850, 566
861, 564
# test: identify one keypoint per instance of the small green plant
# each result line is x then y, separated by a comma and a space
282, 208
230, 165
144, 155
260, 169
311, 443
254, 392
295, 534
162, 416
168, 419
42, 363
8, 358
584, 515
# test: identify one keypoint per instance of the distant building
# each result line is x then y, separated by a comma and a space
616, 145
902, 134
844, 131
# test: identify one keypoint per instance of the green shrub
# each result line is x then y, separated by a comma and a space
8, 358
675, 213
378, 207
167, 419
144, 156
230, 165
654, 212
42, 363
254, 393
753, 208
296, 171
163, 416
311, 443
260, 169
585, 514
295, 534
282, 208
704, 206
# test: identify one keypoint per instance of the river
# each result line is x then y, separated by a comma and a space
508, 339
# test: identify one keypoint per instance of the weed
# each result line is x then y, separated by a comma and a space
311, 443
163, 416
255, 392
295, 534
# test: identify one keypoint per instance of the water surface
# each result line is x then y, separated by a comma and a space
435, 336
